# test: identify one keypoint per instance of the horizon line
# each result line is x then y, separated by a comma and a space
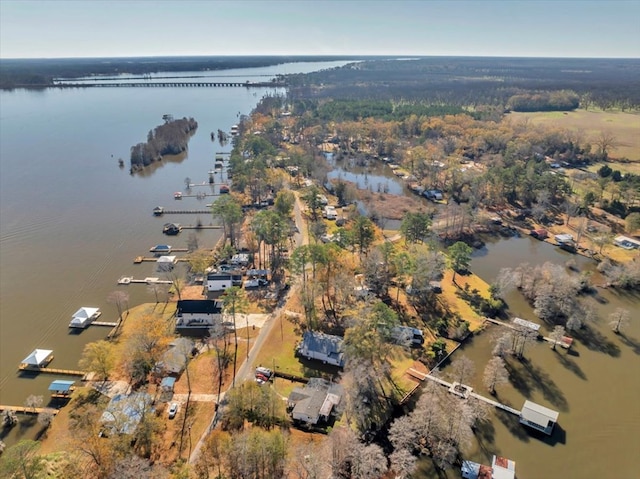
325, 55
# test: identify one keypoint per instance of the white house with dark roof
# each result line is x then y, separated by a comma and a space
197, 314
323, 347
314, 402
538, 417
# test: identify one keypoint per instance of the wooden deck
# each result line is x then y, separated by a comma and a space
28, 410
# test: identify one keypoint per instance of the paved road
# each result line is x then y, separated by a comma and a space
246, 370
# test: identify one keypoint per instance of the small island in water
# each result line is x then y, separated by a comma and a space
170, 138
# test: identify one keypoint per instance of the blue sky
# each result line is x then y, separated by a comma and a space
94, 28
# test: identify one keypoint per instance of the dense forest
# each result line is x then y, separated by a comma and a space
528, 83
41, 72
171, 138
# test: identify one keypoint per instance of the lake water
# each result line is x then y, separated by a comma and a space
595, 386
72, 221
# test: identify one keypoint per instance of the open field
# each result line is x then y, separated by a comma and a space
624, 126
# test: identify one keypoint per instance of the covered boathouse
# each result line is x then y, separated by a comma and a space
538, 417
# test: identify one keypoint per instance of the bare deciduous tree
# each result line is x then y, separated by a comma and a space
556, 335
619, 320
495, 373
462, 369
403, 463
45, 417
33, 402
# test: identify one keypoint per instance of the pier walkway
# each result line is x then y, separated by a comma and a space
491, 402
184, 212
29, 410
64, 372
105, 323
565, 342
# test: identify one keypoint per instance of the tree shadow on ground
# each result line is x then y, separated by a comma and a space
512, 423
570, 364
518, 380
549, 389
632, 343
596, 341
485, 434
526, 377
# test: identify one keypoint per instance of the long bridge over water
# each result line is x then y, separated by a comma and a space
171, 84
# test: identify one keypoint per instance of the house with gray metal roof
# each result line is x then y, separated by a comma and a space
323, 347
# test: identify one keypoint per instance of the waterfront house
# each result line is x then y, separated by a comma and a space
501, 468
626, 242
174, 360
38, 358
538, 417
197, 314
314, 402
219, 281
84, 317
322, 347
124, 413
407, 336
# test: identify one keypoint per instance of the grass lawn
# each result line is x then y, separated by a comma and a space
455, 304
624, 126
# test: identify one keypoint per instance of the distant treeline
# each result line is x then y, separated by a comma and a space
475, 81
345, 110
171, 138
544, 101
41, 72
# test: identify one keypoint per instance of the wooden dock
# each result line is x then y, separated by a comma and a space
29, 410
63, 372
565, 342
104, 323
491, 402
185, 212
147, 259
173, 250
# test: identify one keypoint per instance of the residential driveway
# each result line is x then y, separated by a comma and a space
245, 320
182, 398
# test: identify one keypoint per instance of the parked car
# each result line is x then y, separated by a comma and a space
173, 410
